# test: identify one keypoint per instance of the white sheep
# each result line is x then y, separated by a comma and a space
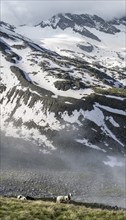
21, 197
60, 199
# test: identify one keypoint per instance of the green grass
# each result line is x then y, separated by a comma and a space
112, 91
13, 209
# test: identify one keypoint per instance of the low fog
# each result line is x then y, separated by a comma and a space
31, 172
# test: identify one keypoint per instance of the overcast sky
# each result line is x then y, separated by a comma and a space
33, 11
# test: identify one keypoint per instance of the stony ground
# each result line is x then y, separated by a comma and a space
44, 183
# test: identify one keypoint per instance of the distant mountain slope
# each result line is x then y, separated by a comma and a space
87, 37
58, 101
76, 21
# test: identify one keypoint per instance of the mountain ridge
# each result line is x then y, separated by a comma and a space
51, 94
83, 20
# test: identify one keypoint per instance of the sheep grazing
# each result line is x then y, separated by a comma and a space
21, 197
67, 199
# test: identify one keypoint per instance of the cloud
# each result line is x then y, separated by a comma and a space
32, 12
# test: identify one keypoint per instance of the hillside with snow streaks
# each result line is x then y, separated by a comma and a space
63, 83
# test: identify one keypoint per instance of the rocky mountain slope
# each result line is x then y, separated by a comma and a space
63, 85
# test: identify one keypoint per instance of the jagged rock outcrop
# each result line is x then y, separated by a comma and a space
78, 23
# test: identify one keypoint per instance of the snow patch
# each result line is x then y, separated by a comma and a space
112, 162
112, 121
73, 118
112, 110
97, 116
88, 144
30, 135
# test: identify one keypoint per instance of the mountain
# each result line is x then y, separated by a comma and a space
67, 20
84, 36
78, 23
63, 108
63, 86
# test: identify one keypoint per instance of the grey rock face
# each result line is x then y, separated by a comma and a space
86, 33
69, 84
79, 23
8, 26
116, 21
88, 49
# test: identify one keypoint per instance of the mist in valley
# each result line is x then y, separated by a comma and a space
26, 170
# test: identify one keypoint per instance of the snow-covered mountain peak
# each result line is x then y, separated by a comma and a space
69, 20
